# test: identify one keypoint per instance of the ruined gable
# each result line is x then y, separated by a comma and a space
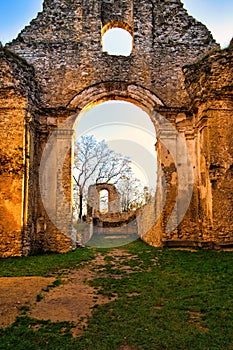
64, 45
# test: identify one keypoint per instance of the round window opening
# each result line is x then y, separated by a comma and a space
117, 42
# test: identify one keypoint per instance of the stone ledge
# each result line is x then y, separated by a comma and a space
197, 244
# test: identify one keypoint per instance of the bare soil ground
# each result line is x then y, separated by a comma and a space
16, 293
71, 301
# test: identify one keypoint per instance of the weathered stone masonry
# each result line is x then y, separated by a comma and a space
56, 67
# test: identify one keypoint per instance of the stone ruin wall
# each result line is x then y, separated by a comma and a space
64, 46
15, 80
209, 83
93, 204
62, 69
114, 220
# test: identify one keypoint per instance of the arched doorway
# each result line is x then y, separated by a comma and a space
126, 130
171, 152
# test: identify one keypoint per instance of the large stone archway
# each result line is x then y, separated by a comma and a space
173, 215
58, 154
176, 73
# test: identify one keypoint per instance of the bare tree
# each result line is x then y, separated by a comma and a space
133, 194
96, 163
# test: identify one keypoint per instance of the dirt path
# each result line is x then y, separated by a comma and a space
71, 301
17, 293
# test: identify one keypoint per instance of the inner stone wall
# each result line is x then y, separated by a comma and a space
93, 204
15, 78
209, 83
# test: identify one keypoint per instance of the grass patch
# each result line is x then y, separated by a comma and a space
27, 333
169, 300
44, 265
55, 284
110, 240
166, 300
39, 297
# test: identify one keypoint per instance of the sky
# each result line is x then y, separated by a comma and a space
128, 130
216, 14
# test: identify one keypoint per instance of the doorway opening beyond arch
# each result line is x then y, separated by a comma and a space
127, 132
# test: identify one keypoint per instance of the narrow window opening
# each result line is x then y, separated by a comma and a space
103, 201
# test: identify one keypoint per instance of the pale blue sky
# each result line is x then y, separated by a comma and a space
128, 130
216, 14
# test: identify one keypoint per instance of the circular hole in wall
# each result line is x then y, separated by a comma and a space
117, 42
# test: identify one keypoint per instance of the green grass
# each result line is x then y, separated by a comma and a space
44, 265
27, 333
166, 300
109, 240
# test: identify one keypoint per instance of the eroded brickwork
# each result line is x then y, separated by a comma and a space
113, 220
56, 67
209, 83
15, 83
93, 204
64, 46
